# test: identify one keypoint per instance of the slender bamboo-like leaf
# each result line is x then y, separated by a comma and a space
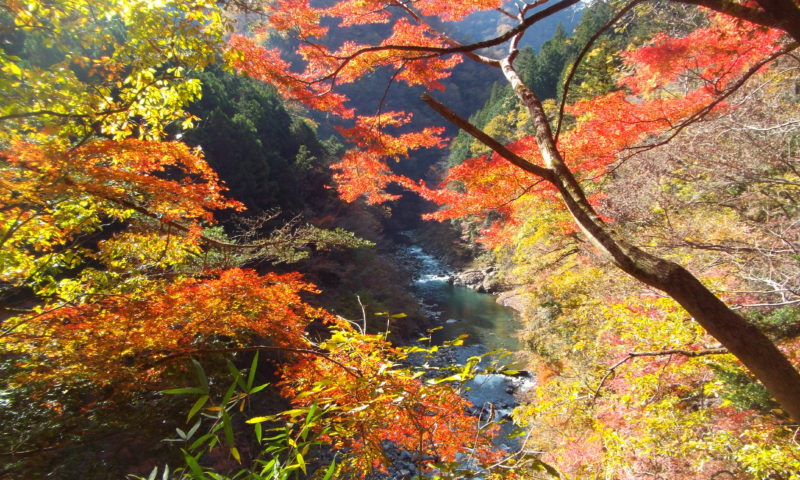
196, 407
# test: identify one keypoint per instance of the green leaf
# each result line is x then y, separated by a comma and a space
257, 428
330, 471
193, 430
185, 390
311, 411
228, 395
236, 374
301, 462
235, 454
251, 374
201, 375
196, 469
451, 378
260, 419
200, 441
269, 467
196, 407
258, 388
228, 428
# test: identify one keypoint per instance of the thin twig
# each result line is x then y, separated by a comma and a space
676, 351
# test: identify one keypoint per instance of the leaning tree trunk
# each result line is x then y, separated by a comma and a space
742, 339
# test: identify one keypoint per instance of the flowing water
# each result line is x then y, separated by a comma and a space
489, 326
459, 310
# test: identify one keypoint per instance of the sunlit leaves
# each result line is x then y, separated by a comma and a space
54, 200
674, 80
102, 66
118, 337
378, 400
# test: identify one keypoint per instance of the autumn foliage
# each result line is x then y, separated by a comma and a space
668, 85
380, 403
112, 278
129, 339
675, 81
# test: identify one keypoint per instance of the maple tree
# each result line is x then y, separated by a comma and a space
626, 384
104, 236
421, 55
113, 271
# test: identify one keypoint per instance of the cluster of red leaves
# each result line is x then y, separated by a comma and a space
116, 337
324, 66
362, 170
675, 79
167, 179
713, 57
375, 400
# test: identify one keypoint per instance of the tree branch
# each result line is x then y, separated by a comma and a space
487, 140
658, 353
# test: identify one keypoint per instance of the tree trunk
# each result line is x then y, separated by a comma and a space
781, 14
742, 339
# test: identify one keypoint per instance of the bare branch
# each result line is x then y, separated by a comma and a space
581, 56
658, 353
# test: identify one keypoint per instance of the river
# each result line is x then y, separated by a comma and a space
488, 325
461, 311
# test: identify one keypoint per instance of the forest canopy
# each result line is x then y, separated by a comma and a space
635, 180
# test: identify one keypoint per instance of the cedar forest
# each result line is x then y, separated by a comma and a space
183, 257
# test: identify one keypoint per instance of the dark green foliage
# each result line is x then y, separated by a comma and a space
549, 63
596, 73
781, 323
267, 158
742, 391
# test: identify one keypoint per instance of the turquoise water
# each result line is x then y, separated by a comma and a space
489, 326
463, 311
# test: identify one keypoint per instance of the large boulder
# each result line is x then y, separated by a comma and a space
482, 280
469, 278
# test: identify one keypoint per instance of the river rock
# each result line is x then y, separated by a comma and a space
482, 280
514, 299
490, 284
469, 278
